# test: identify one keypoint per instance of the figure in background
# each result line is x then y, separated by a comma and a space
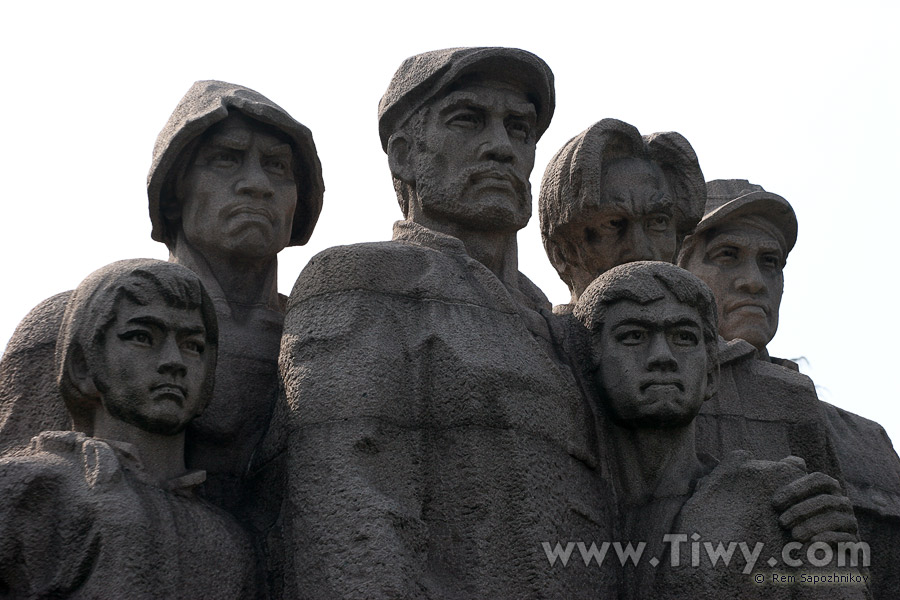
112, 513
739, 249
435, 437
234, 180
651, 359
610, 196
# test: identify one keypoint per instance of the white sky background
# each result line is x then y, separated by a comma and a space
800, 97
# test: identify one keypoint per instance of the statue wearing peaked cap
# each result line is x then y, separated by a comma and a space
436, 438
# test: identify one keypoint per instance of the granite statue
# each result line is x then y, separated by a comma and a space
435, 436
652, 359
109, 510
610, 196
740, 248
234, 180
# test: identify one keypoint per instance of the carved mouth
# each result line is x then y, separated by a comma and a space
172, 391
751, 305
663, 383
249, 210
494, 176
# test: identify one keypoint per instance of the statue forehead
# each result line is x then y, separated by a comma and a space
240, 127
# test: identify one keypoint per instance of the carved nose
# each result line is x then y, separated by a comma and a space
171, 361
497, 145
255, 182
637, 245
750, 279
660, 357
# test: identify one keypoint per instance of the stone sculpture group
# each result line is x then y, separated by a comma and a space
416, 420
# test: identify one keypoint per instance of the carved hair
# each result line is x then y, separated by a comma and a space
644, 282
573, 181
93, 307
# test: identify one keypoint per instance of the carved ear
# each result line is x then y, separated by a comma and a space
80, 375
712, 382
400, 157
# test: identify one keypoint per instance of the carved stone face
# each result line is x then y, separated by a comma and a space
474, 157
633, 221
238, 196
743, 265
153, 366
652, 365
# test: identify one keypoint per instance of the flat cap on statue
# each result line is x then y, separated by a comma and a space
204, 105
423, 76
728, 199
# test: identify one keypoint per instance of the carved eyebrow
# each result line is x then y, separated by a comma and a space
279, 150
458, 100
743, 241
150, 321
654, 325
662, 203
230, 141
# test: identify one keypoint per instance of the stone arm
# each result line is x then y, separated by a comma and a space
352, 516
47, 542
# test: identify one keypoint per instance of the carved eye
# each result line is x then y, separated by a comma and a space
193, 346
465, 120
684, 337
277, 166
138, 337
223, 159
723, 255
658, 223
632, 337
518, 129
771, 262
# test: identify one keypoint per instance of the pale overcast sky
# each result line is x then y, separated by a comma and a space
800, 97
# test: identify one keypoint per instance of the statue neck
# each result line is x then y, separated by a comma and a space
497, 250
162, 456
247, 282
654, 463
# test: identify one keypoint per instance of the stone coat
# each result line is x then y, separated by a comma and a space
79, 518
434, 436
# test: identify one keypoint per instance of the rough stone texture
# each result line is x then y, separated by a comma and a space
436, 438
250, 310
871, 471
29, 394
766, 409
115, 515
766, 405
650, 363
610, 196
79, 518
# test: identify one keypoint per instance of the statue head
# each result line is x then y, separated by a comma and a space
739, 249
653, 343
138, 340
460, 127
234, 173
610, 196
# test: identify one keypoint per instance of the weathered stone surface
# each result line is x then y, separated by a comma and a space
115, 515
610, 196
739, 248
651, 362
29, 394
224, 211
436, 436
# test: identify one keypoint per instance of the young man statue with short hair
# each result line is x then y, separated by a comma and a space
108, 510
